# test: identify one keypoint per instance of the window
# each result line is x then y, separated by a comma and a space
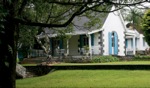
85, 41
113, 39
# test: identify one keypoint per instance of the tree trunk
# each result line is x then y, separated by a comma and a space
8, 56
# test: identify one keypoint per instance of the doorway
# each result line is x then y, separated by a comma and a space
113, 43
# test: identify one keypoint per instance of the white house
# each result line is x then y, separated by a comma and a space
113, 38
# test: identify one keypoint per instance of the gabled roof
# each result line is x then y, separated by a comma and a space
82, 29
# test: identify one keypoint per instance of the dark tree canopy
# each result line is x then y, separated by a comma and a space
146, 26
60, 13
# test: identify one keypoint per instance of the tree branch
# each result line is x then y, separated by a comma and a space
58, 16
126, 4
23, 4
104, 11
78, 12
74, 3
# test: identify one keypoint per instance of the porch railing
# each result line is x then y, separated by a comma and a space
129, 51
37, 53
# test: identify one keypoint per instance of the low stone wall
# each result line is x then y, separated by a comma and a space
42, 70
103, 67
39, 70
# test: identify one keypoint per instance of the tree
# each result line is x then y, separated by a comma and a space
146, 26
41, 13
26, 39
134, 16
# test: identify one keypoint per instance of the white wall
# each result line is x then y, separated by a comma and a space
113, 23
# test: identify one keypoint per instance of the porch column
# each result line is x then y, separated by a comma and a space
67, 46
90, 48
134, 45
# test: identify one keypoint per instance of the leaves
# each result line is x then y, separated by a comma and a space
146, 26
27, 36
134, 16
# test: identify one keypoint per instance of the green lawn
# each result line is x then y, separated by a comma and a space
89, 79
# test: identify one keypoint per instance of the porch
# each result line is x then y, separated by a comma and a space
77, 45
135, 44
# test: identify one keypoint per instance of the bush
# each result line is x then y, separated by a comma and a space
82, 59
138, 57
101, 59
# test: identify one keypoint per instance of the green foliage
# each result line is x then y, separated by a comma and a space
61, 33
133, 16
101, 59
27, 35
146, 26
95, 19
141, 58
26, 39
86, 48
83, 59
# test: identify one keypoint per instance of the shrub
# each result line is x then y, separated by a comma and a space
82, 59
101, 59
138, 57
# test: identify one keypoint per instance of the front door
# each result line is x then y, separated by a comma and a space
113, 43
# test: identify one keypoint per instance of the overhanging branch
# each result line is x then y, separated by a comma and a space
78, 12
83, 8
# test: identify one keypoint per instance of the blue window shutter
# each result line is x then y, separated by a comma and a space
110, 43
132, 43
116, 44
61, 43
126, 43
92, 39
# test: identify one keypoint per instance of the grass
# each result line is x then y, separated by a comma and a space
89, 79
